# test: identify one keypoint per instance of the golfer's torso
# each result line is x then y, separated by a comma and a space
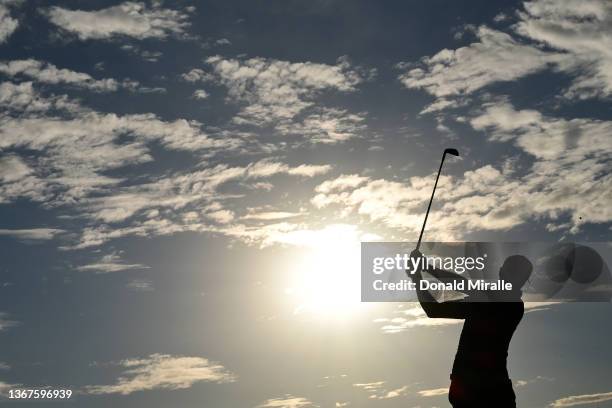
486, 335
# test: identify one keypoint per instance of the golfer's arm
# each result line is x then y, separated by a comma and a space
435, 309
446, 276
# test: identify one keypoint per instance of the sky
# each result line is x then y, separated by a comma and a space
184, 186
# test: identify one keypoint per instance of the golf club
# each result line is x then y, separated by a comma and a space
453, 152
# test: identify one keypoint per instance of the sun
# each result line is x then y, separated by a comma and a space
327, 279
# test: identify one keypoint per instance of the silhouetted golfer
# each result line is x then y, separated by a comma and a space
479, 377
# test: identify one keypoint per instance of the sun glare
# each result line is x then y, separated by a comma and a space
327, 279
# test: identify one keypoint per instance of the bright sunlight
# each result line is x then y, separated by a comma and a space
327, 279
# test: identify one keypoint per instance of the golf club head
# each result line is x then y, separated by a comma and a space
453, 152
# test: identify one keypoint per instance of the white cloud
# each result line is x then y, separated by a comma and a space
8, 24
573, 37
381, 200
282, 94
327, 125
179, 190
377, 390
585, 399
5, 387
398, 392
568, 177
76, 146
582, 29
539, 378
570, 174
434, 392
33, 234
495, 57
168, 204
221, 216
130, 19
200, 94
288, 401
5, 321
162, 371
110, 263
13, 168
371, 386
24, 99
406, 319
270, 215
309, 170
45, 72
341, 183
197, 75
147, 55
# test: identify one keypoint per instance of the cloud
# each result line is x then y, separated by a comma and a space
381, 200
373, 386
181, 189
200, 94
585, 399
147, 55
33, 234
288, 234
378, 391
409, 318
282, 94
109, 263
270, 215
583, 30
13, 168
5, 321
45, 72
6, 387
496, 57
76, 145
288, 401
197, 75
162, 371
398, 392
343, 182
523, 383
221, 216
434, 392
24, 99
73, 153
328, 126
570, 174
183, 202
129, 19
567, 177
571, 37
8, 24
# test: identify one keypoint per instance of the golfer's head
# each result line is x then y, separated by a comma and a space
516, 270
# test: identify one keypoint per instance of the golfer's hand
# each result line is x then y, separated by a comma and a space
416, 254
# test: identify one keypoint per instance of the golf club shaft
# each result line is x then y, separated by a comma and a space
430, 201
